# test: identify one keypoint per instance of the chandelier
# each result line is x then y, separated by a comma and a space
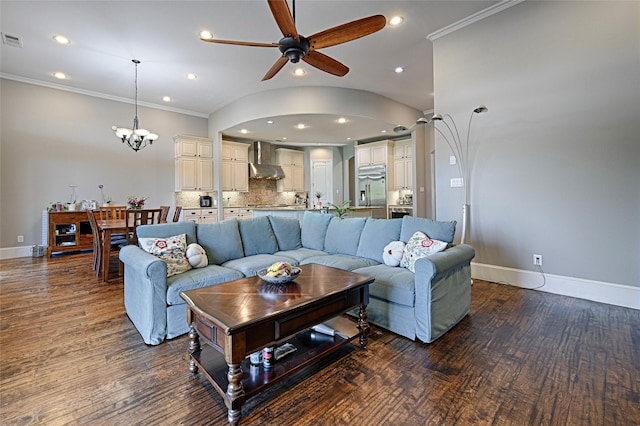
135, 137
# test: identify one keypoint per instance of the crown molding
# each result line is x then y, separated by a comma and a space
99, 95
471, 19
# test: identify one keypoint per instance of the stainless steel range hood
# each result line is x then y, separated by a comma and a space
261, 168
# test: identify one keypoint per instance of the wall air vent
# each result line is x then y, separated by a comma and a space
10, 40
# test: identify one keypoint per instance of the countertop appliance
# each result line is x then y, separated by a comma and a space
205, 201
372, 189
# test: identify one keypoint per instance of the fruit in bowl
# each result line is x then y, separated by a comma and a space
279, 273
279, 269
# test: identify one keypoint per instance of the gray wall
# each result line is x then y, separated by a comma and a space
557, 158
51, 139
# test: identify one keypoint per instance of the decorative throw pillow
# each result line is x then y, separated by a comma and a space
172, 250
419, 246
392, 253
196, 256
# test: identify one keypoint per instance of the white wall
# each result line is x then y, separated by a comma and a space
52, 138
557, 158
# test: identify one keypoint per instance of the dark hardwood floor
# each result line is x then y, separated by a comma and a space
70, 355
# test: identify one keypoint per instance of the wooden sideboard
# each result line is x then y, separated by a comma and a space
69, 231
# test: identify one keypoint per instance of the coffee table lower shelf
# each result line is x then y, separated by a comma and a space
310, 346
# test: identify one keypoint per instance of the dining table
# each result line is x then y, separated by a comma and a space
108, 227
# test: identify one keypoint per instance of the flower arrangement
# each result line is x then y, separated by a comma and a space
105, 200
136, 203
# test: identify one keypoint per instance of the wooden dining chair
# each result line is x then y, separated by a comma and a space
97, 242
135, 218
176, 213
164, 213
113, 212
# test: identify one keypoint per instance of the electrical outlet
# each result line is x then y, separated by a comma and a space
537, 260
21, 238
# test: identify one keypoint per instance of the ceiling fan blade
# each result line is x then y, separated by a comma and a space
282, 15
281, 62
347, 32
241, 43
325, 63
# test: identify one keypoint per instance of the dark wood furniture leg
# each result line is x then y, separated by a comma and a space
363, 326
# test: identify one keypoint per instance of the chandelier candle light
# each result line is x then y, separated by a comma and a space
135, 137
460, 150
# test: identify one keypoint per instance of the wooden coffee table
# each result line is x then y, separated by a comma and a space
244, 316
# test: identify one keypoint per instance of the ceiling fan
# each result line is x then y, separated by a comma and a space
295, 46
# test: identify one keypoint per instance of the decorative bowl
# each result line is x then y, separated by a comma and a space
262, 273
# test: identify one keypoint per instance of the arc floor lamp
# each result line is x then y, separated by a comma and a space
460, 150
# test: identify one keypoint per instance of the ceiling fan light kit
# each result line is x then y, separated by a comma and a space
295, 47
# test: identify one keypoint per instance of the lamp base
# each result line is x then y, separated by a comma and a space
466, 220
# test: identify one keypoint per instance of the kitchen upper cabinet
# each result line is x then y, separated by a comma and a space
193, 163
403, 165
235, 166
376, 153
292, 163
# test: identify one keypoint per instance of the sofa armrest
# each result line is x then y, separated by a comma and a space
145, 293
443, 291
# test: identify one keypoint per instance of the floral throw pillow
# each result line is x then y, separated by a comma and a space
419, 246
172, 250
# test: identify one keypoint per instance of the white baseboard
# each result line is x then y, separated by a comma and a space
13, 252
597, 291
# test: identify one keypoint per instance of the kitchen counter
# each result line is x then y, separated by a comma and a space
298, 211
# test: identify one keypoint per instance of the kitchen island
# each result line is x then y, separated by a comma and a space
298, 211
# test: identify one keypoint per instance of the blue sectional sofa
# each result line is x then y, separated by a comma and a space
422, 305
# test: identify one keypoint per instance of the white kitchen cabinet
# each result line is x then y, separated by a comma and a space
375, 153
235, 166
200, 215
292, 163
193, 163
403, 165
237, 212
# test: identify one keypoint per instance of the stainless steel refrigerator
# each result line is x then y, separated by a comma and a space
372, 189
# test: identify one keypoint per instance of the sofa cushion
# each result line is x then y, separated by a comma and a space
167, 230
171, 250
420, 246
220, 240
314, 229
443, 231
198, 278
343, 235
257, 236
376, 234
287, 232
250, 265
340, 261
301, 253
392, 284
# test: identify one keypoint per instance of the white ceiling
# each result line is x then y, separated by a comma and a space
164, 36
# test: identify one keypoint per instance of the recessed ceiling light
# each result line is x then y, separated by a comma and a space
191, 76
284, 138
244, 131
301, 126
396, 20
166, 98
61, 39
383, 131
60, 75
206, 35
269, 121
348, 139
299, 72
341, 120
399, 70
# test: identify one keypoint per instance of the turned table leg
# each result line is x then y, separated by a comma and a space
363, 326
194, 346
235, 391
